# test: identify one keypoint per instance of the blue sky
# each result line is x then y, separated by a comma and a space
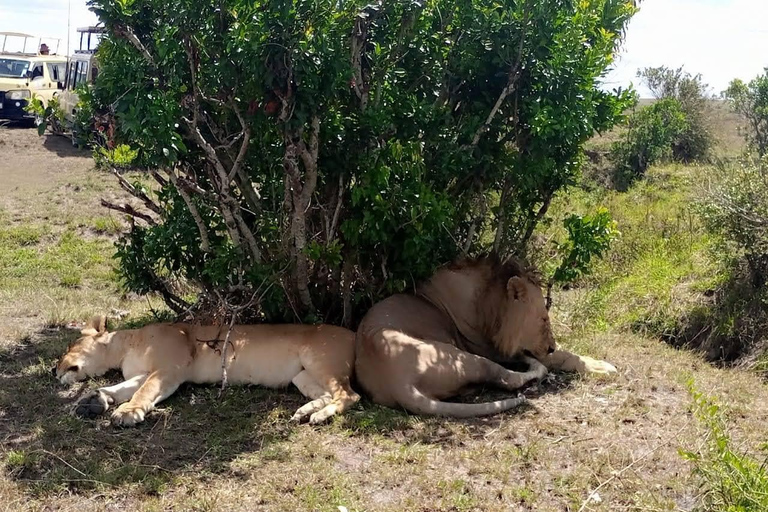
46, 18
721, 39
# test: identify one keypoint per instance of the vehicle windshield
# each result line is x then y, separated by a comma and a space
13, 68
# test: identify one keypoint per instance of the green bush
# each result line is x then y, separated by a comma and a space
652, 132
589, 237
695, 141
120, 157
734, 204
49, 116
751, 101
319, 155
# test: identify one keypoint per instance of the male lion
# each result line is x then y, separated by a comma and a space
414, 351
157, 358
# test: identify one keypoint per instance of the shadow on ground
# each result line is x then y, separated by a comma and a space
48, 450
62, 146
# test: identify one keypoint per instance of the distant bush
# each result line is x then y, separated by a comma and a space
751, 101
734, 204
693, 143
652, 133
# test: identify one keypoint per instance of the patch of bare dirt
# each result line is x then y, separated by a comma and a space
31, 162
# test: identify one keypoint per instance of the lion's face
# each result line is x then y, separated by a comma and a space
85, 357
525, 322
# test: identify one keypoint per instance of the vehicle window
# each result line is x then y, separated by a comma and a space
82, 73
71, 75
56, 70
14, 68
94, 73
37, 72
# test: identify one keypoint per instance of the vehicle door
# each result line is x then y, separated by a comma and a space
77, 73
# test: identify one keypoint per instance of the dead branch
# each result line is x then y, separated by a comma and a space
298, 228
250, 239
201, 227
475, 224
210, 153
137, 193
501, 218
309, 159
346, 292
128, 210
337, 210
532, 223
246, 130
159, 179
130, 35
359, 36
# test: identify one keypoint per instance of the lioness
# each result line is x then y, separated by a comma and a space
157, 358
414, 351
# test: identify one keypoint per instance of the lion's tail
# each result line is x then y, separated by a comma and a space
415, 401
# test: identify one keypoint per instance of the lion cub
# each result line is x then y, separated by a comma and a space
157, 358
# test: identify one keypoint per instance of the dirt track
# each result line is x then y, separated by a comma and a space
30, 162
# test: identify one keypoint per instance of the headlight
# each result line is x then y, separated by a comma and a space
21, 94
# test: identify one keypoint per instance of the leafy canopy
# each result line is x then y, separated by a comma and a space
327, 153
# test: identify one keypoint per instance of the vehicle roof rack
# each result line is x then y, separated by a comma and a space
96, 29
34, 50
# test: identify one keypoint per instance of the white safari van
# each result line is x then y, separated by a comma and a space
28, 68
82, 70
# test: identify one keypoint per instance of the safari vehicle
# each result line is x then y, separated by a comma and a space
25, 72
82, 70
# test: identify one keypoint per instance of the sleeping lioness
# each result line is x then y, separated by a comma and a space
157, 358
458, 329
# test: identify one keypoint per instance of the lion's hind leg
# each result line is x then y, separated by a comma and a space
342, 398
332, 395
310, 388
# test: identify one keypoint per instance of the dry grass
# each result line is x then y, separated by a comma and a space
620, 435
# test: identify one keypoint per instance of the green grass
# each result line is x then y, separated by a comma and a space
655, 281
106, 225
29, 257
658, 268
732, 480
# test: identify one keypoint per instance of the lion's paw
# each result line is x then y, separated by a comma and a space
93, 404
323, 414
537, 370
128, 415
310, 409
597, 366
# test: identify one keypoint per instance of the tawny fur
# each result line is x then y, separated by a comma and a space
461, 325
157, 358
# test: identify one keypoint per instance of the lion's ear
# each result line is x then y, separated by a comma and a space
96, 325
516, 289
